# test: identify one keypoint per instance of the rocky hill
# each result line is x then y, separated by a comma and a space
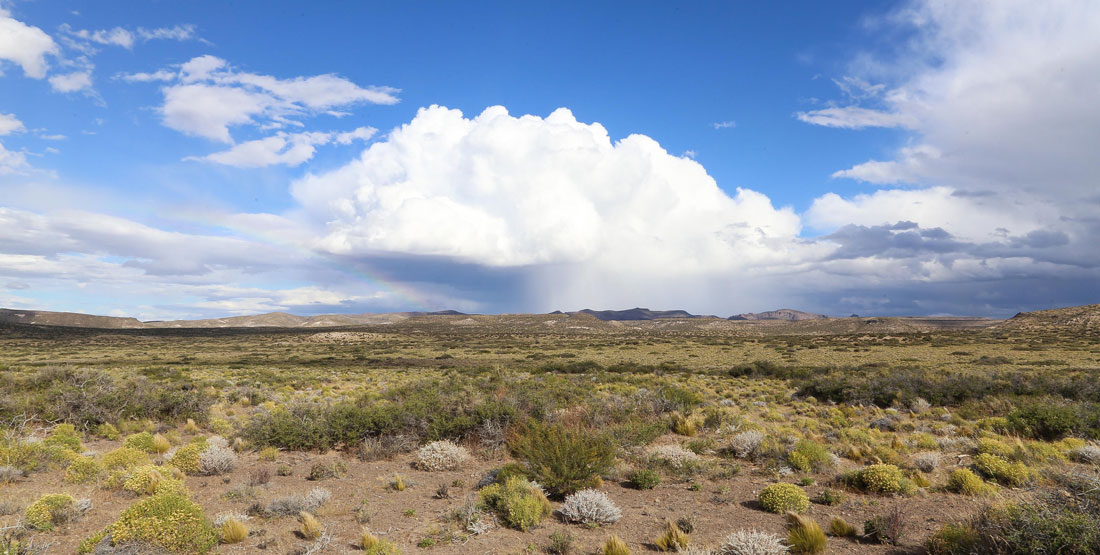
785, 314
639, 314
1076, 320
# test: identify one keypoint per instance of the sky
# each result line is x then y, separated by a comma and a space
169, 160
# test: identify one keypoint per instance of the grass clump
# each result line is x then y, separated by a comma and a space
783, 497
107, 430
49, 511
563, 460
309, 527
232, 528
167, 520
518, 502
161, 445
841, 529
614, 546
804, 534
672, 539
373, 545
1004, 472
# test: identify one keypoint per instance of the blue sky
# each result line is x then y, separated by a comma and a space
197, 159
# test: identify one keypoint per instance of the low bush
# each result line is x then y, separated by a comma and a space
830, 497
809, 456
65, 435
888, 528
745, 444
186, 458
216, 459
885, 479
124, 457
327, 469
783, 497
142, 441
643, 478
50, 510
519, 503
563, 460
751, 542
83, 470
589, 506
965, 482
1046, 421
999, 469
297, 503
373, 545
441, 455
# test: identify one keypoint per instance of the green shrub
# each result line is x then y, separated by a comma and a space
83, 470
150, 480
65, 435
518, 502
142, 441
124, 457
186, 458
563, 460
783, 497
884, 479
644, 478
830, 497
1004, 472
167, 520
965, 482
1049, 524
1046, 421
107, 430
809, 456
49, 511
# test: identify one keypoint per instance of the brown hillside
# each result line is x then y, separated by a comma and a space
1075, 320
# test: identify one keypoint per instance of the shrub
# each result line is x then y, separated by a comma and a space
167, 520
297, 503
1087, 454
124, 457
1046, 421
589, 506
672, 539
187, 457
965, 482
809, 456
927, 461
830, 497
83, 470
216, 459
108, 431
561, 543
65, 435
804, 535
309, 526
644, 478
841, 529
518, 502
441, 455
686, 425
675, 457
269, 454
50, 510
615, 546
563, 460
1004, 472
783, 497
751, 542
745, 444
954, 539
149, 480
886, 528
142, 441
878, 478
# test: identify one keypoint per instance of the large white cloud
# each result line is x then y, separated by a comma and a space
500, 190
25, 45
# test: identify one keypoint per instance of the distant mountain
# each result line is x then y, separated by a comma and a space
639, 314
785, 314
269, 320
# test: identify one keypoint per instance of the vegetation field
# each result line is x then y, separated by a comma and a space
551, 434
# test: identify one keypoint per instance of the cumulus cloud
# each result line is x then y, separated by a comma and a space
288, 149
71, 82
25, 45
10, 124
207, 96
